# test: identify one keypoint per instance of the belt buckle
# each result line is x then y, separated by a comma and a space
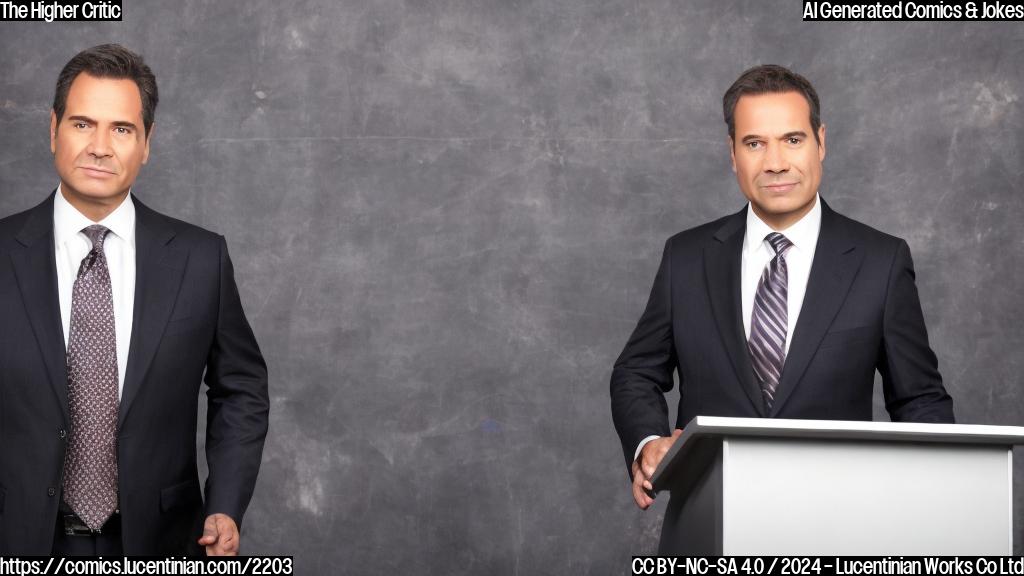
73, 526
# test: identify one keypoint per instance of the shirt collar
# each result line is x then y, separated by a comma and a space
803, 233
68, 221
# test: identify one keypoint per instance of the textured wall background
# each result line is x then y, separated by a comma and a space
445, 218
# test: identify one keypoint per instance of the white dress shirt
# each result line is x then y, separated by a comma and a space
71, 246
757, 253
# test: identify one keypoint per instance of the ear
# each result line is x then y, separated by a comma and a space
821, 142
732, 153
53, 132
149, 136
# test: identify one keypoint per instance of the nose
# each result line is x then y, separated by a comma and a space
775, 160
99, 145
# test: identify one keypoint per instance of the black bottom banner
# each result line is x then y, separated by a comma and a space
818, 565
245, 565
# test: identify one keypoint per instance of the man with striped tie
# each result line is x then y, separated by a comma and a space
784, 309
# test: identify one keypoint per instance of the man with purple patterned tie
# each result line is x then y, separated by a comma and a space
783, 310
112, 315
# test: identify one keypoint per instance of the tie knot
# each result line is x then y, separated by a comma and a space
778, 242
96, 234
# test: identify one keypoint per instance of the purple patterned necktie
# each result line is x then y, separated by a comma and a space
90, 467
768, 323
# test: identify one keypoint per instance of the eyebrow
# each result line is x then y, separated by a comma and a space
117, 123
793, 134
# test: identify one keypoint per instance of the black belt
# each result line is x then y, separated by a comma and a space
72, 525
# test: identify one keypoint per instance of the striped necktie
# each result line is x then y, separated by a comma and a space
769, 321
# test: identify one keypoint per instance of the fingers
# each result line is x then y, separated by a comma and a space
644, 467
220, 536
654, 452
642, 499
650, 465
651, 459
209, 531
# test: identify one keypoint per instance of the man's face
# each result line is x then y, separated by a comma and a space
100, 144
775, 156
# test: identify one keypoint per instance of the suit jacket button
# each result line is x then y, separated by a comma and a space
51, 491
62, 433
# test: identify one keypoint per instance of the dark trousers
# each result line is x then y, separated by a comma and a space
107, 543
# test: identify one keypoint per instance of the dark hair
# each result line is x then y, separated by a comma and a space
109, 61
770, 79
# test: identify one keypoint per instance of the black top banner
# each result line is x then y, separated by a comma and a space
60, 10
901, 11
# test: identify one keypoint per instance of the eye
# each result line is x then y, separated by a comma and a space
80, 125
794, 140
753, 145
122, 130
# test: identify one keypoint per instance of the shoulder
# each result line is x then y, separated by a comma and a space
694, 239
27, 225
10, 225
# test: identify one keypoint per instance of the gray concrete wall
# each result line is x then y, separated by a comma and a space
445, 218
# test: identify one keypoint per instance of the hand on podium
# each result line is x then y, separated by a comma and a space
645, 465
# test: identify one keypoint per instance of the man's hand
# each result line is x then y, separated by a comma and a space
645, 465
220, 535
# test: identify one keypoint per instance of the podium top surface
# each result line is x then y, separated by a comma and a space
703, 428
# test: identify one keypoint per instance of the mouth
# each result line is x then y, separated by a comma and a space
96, 172
779, 187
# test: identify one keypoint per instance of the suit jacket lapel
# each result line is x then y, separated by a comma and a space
836, 262
159, 268
36, 271
722, 261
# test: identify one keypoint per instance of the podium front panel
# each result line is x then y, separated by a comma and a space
813, 497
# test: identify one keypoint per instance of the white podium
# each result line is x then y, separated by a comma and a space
755, 486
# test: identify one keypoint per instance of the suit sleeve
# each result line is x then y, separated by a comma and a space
643, 373
911, 381
238, 404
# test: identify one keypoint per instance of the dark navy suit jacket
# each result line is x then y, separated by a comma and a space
860, 313
187, 320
